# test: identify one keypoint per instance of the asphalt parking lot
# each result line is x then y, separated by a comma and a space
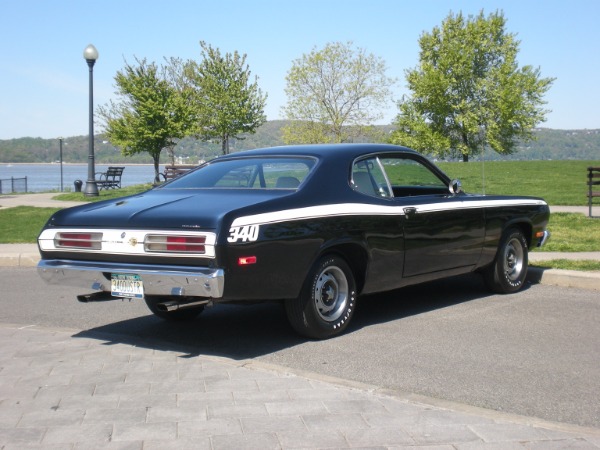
534, 353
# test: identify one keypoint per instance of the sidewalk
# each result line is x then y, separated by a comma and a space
64, 389
43, 200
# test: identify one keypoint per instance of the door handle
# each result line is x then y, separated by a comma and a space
410, 211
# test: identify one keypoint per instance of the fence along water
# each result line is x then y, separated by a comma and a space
11, 185
47, 177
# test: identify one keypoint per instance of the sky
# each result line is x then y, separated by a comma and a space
44, 77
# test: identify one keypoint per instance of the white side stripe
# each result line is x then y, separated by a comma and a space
362, 209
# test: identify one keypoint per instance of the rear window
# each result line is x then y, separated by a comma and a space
247, 173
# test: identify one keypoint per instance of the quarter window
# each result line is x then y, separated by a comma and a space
369, 178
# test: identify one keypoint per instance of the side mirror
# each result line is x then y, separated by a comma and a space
455, 187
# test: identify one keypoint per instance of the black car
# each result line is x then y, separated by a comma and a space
314, 226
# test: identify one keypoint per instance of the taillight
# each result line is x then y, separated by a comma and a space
193, 244
246, 260
175, 244
78, 240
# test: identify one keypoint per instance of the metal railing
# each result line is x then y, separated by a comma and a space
12, 185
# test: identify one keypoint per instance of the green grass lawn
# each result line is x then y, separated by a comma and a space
573, 233
567, 264
558, 182
22, 224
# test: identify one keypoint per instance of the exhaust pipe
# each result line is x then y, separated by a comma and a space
97, 297
174, 306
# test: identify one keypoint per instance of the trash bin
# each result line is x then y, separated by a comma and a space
78, 184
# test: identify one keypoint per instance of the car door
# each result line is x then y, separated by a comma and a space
441, 231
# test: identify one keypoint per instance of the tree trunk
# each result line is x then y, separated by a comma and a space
465, 157
156, 160
225, 144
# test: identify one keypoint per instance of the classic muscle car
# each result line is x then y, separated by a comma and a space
314, 226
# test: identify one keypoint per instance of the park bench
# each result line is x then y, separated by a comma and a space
173, 171
593, 180
111, 179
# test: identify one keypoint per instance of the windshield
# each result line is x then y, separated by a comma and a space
248, 173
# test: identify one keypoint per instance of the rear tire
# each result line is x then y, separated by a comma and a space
179, 315
327, 300
508, 271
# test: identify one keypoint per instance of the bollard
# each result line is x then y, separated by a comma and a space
78, 184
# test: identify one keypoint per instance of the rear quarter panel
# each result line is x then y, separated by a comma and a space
529, 218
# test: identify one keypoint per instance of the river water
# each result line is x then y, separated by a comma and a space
47, 177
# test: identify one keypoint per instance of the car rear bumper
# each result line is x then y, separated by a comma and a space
158, 280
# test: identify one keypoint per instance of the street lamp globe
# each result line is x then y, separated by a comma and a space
90, 53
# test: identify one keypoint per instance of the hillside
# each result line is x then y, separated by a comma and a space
549, 145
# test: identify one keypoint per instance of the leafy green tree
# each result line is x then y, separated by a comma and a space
228, 103
151, 114
468, 92
335, 94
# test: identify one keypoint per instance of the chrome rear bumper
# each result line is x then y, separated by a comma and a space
158, 280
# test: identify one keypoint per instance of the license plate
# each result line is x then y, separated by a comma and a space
126, 285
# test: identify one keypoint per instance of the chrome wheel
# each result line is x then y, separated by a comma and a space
508, 271
331, 293
514, 259
327, 301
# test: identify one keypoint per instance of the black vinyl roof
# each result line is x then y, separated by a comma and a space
324, 151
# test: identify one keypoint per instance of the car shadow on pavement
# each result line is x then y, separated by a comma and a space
248, 331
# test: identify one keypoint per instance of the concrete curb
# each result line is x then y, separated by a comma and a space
27, 259
565, 278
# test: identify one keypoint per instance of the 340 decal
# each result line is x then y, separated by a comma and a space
247, 233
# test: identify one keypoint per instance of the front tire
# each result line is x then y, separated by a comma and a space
508, 271
327, 300
180, 315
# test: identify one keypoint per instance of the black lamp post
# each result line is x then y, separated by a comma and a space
90, 54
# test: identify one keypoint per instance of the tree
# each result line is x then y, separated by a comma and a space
227, 102
468, 92
334, 94
151, 113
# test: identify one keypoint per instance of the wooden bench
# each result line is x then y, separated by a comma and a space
593, 180
173, 171
111, 179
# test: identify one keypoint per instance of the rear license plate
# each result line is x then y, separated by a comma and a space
126, 285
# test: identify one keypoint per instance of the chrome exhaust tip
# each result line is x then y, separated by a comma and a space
174, 305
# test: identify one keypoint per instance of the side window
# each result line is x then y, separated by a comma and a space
368, 177
409, 177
